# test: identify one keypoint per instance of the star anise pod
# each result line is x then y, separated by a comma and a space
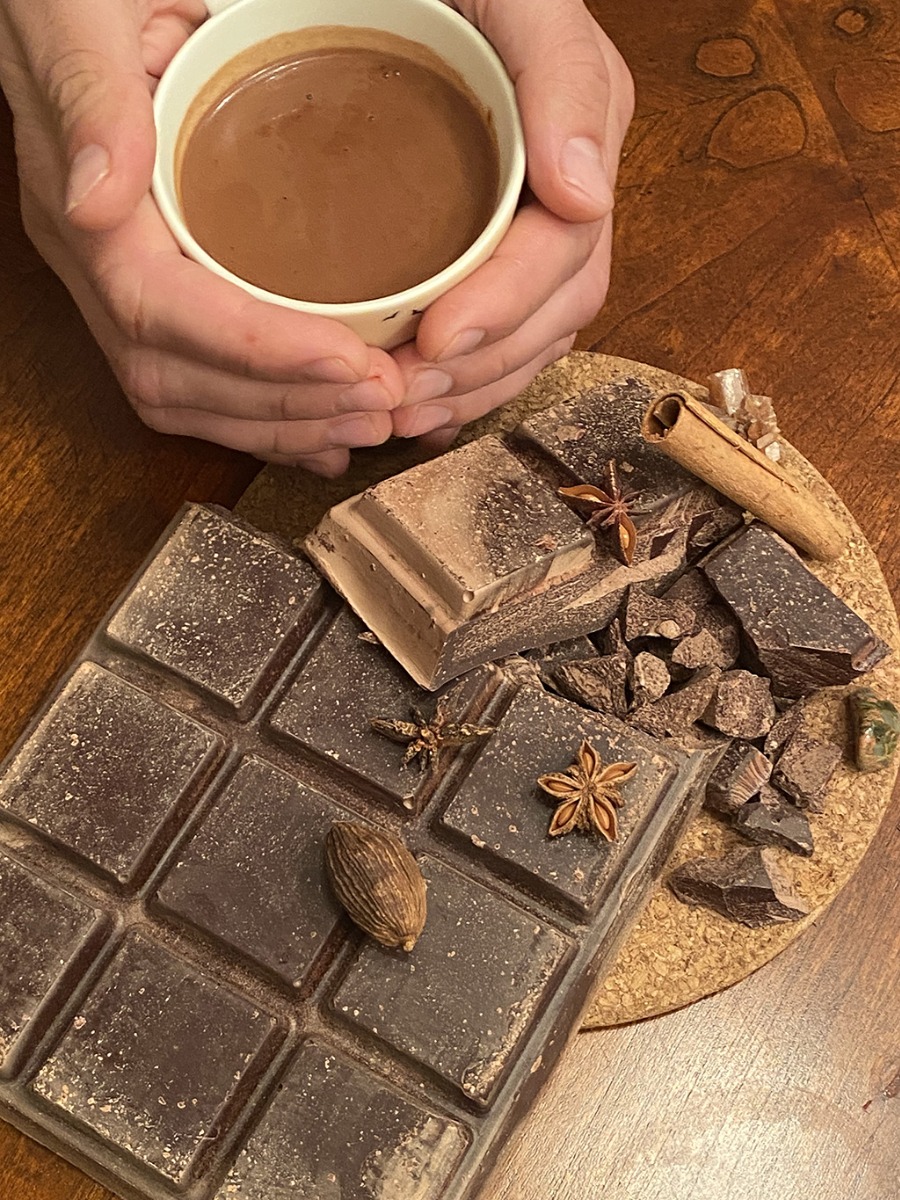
588, 794
608, 506
426, 739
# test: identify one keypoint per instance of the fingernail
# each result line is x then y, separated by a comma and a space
428, 385
463, 343
424, 420
581, 166
369, 395
89, 166
355, 431
332, 370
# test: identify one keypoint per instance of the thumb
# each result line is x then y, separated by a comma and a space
574, 111
86, 61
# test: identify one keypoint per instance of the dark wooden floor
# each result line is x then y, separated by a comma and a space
759, 225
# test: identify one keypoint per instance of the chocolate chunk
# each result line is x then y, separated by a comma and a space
649, 678
611, 640
742, 706
712, 620
234, 640
773, 821
786, 725
797, 630
702, 649
598, 682
651, 617
548, 658
676, 712
745, 886
805, 767
737, 778
184, 1012
72, 781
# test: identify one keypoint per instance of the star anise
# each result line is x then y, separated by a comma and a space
608, 506
426, 739
588, 794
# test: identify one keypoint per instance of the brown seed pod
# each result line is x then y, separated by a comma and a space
377, 881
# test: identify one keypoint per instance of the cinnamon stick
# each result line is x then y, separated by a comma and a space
684, 428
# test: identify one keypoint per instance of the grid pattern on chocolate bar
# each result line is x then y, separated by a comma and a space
185, 1039
72, 781
217, 605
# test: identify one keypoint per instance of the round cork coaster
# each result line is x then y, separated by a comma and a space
675, 954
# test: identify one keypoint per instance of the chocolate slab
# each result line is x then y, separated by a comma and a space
448, 585
796, 629
184, 1012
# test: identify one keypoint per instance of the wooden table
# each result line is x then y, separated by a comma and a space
759, 225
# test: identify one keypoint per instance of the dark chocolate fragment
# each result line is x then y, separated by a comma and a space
47, 938
548, 658
703, 649
425, 1005
598, 682
134, 1067
805, 767
713, 620
335, 1129
676, 712
611, 640
773, 821
746, 886
649, 678
649, 616
108, 771
786, 725
797, 630
223, 607
253, 874
737, 778
742, 706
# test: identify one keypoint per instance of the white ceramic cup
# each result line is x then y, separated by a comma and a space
237, 25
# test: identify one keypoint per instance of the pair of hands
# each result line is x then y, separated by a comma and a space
197, 355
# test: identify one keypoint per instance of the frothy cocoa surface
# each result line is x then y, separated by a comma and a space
339, 175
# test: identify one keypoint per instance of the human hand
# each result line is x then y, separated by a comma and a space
195, 354
485, 340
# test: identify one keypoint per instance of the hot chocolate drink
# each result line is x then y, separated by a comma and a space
349, 168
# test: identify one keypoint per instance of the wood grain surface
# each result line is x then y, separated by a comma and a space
759, 224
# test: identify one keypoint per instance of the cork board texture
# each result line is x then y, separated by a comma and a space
675, 954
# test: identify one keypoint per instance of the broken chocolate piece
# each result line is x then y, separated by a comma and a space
598, 682
786, 725
712, 617
676, 712
797, 630
805, 767
653, 617
702, 650
737, 778
649, 678
742, 706
746, 886
773, 821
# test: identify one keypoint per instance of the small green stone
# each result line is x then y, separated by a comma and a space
876, 726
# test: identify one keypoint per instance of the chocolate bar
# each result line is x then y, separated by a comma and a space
184, 1008
475, 555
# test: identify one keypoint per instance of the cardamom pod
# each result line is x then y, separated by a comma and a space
377, 881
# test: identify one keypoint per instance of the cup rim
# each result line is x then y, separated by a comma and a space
460, 266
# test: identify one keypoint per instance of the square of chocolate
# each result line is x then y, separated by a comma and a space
156, 1057
253, 873
482, 970
500, 809
335, 1129
47, 940
221, 604
108, 771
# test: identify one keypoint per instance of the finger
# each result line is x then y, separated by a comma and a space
536, 257
328, 463
159, 298
461, 410
91, 76
439, 440
569, 80
571, 308
268, 439
155, 379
